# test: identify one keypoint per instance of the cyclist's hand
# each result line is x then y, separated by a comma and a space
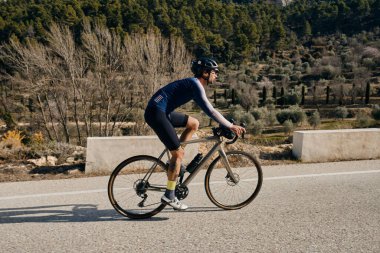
237, 129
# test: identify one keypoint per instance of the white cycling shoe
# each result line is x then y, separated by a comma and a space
175, 203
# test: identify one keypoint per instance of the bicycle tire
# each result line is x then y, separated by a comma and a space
127, 177
246, 168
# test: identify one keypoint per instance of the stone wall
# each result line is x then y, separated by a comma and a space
336, 145
105, 153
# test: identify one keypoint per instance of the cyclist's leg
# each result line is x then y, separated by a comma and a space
182, 120
191, 127
175, 165
164, 128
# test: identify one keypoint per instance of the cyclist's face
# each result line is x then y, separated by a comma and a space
213, 76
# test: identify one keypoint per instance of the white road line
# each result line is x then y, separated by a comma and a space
52, 194
200, 183
324, 174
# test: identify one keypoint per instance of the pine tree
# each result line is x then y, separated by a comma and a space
367, 93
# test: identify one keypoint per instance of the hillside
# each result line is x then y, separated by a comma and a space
228, 31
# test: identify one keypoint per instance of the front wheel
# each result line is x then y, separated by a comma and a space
136, 185
226, 193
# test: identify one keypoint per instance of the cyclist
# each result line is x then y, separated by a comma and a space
162, 118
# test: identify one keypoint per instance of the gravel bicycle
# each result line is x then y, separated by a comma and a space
233, 179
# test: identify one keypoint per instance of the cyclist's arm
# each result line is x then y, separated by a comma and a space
201, 99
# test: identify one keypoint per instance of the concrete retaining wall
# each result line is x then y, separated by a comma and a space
336, 145
105, 153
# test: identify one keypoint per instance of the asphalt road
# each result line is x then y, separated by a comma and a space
329, 207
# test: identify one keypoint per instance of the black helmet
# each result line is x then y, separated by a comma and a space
203, 64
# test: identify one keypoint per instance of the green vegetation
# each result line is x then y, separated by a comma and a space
231, 31
315, 119
376, 112
341, 112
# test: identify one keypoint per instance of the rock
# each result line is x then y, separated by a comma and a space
74, 172
70, 160
51, 160
38, 162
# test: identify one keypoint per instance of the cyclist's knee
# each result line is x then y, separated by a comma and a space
178, 154
192, 123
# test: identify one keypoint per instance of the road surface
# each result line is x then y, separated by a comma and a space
327, 207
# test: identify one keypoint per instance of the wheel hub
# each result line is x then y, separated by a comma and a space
140, 187
230, 181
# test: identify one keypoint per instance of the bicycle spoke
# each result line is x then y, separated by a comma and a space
133, 196
223, 190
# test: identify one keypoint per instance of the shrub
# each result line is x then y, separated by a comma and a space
296, 76
258, 127
10, 153
341, 112
293, 99
259, 113
12, 139
329, 72
363, 120
306, 68
37, 138
139, 129
269, 104
60, 150
293, 113
238, 114
247, 118
271, 118
288, 126
283, 116
369, 63
376, 112
315, 119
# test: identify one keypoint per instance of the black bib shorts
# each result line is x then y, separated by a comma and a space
163, 125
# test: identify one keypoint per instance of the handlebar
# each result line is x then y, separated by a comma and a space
223, 131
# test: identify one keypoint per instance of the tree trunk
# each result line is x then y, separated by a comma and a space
274, 95
367, 93
44, 117
51, 117
76, 114
327, 95
63, 118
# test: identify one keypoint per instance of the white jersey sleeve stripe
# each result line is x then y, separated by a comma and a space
201, 100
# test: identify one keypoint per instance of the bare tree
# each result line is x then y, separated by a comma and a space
32, 67
156, 60
94, 85
109, 80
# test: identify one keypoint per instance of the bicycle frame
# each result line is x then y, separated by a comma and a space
216, 148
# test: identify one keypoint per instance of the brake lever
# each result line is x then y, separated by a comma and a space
243, 124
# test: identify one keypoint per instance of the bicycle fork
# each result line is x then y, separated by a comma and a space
226, 164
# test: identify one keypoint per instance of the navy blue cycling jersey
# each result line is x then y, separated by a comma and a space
179, 92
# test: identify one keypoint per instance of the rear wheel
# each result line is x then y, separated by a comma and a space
223, 191
132, 192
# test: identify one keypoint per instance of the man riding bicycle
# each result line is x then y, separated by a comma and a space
162, 118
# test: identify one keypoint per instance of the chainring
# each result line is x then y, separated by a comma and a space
181, 191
